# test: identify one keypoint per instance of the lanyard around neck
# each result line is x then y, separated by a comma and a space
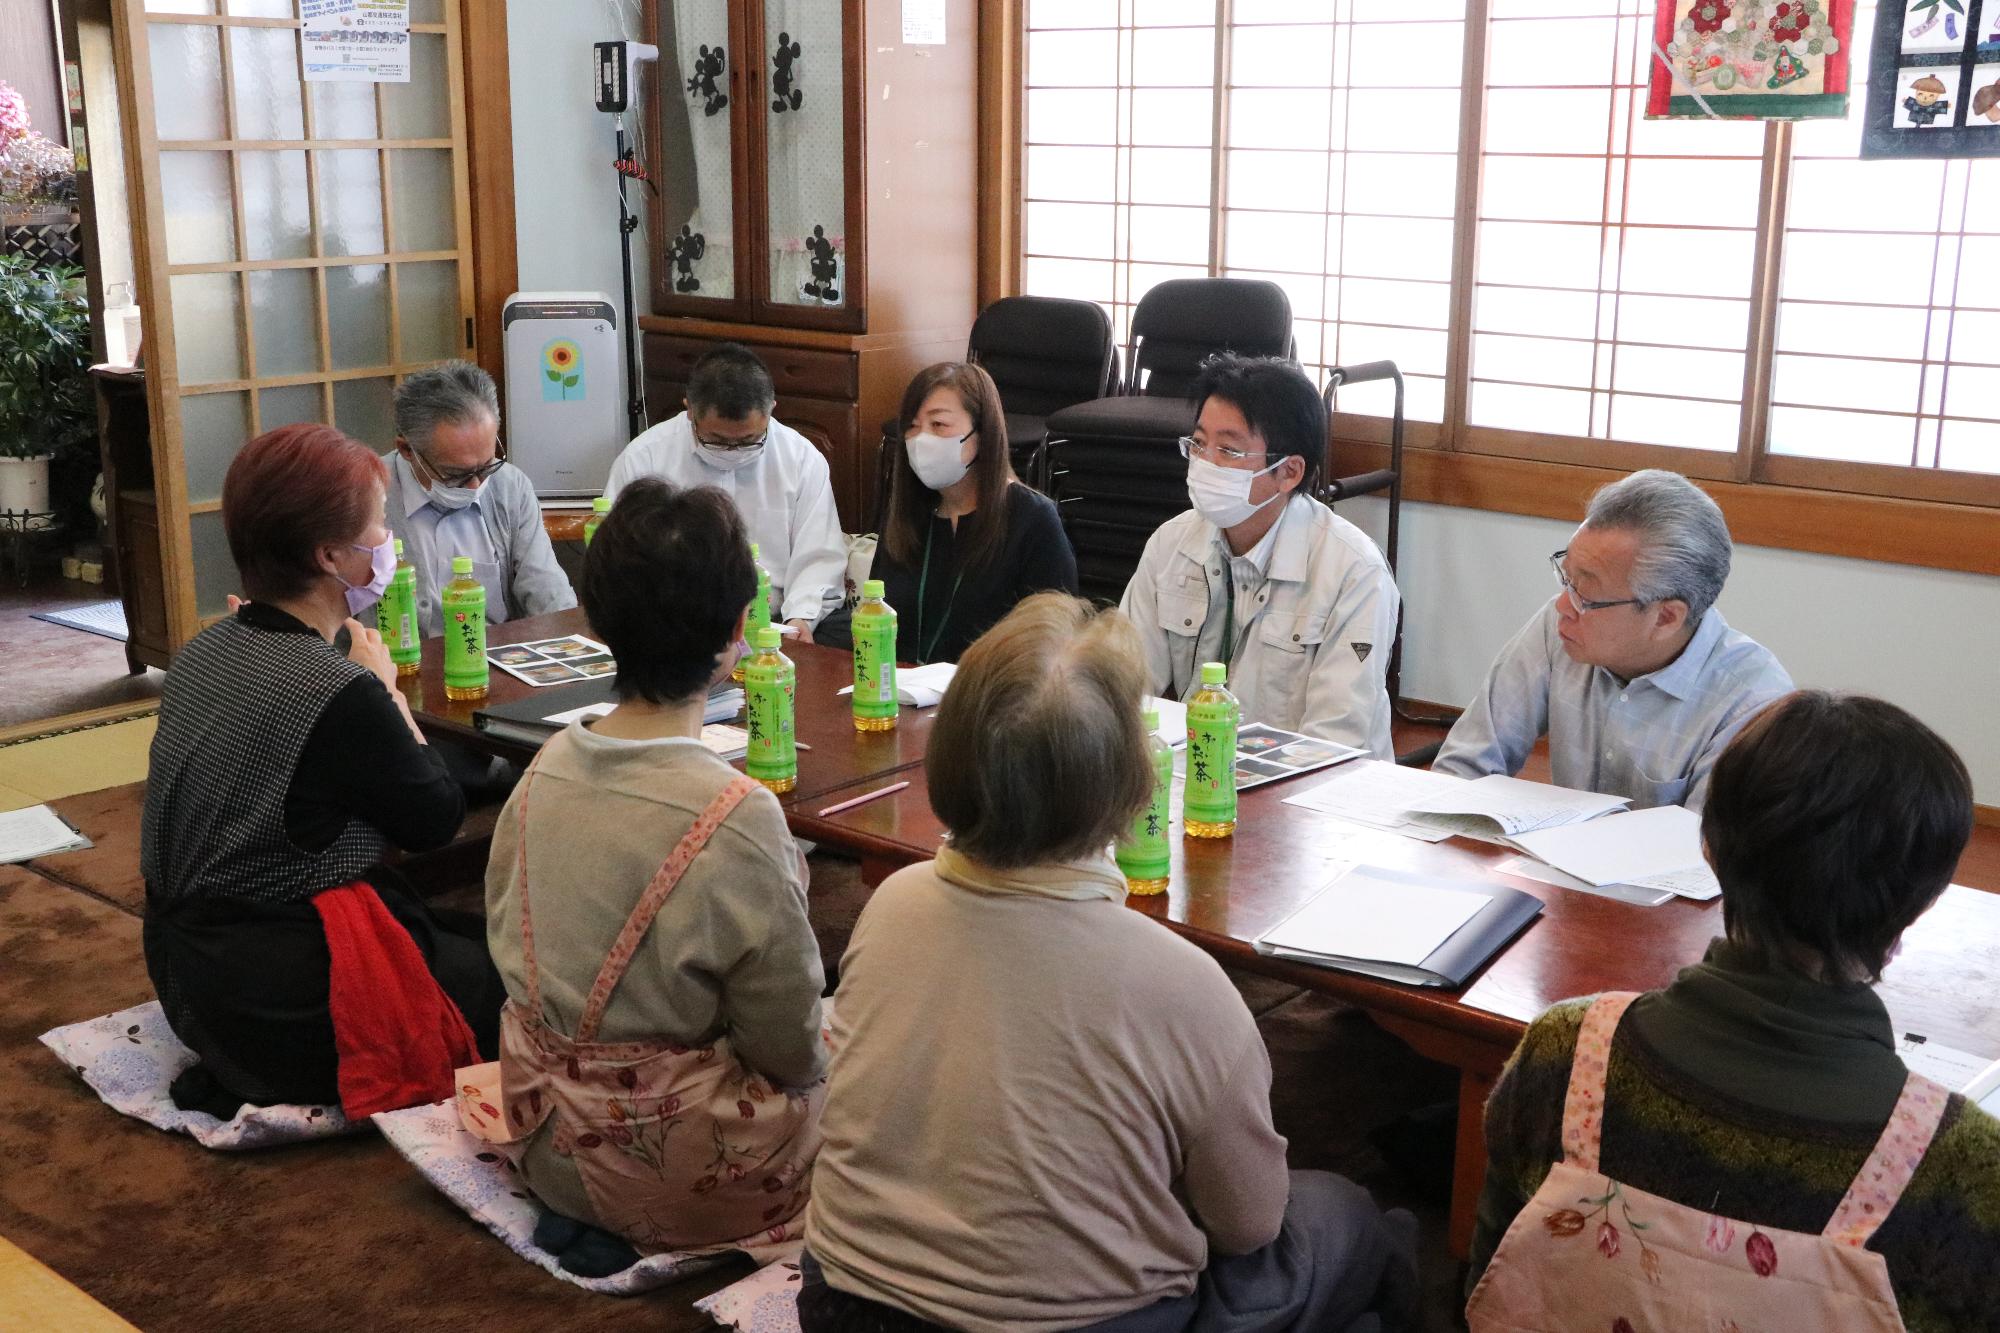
923, 583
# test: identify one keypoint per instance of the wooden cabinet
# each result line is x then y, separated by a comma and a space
816, 202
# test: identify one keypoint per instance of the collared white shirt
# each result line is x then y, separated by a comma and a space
785, 498
1315, 620
501, 530
1653, 739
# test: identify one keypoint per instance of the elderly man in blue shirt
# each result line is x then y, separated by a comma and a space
450, 494
1630, 671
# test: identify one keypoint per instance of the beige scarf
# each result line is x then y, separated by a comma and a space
1080, 880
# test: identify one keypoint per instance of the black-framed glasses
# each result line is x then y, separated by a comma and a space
727, 446
466, 477
1215, 453
1578, 600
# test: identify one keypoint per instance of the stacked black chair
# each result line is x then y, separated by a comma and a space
1114, 465
1045, 353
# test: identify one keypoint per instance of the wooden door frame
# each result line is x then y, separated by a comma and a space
489, 131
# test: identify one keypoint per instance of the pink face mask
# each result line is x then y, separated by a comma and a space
381, 568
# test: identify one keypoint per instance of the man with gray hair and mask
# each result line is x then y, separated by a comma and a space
451, 494
1629, 670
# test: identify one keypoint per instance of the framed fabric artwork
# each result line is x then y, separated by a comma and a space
1934, 80
1751, 59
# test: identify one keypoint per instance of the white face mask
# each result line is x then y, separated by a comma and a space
449, 499
937, 459
729, 460
1222, 494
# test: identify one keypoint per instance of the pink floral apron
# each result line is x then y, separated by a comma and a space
678, 1149
1590, 1253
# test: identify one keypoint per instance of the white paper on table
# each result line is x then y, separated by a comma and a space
1517, 805
1696, 881
1622, 848
1375, 791
730, 742
36, 831
919, 686
1173, 719
1378, 915
569, 715
1529, 868
1940, 1063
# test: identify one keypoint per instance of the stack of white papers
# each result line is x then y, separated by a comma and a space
1374, 915
1658, 848
1516, 806
1377, 794
36, 831
920, 686
1973, 1075
722, 705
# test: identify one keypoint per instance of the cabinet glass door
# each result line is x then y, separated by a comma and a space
695, 220
805, 140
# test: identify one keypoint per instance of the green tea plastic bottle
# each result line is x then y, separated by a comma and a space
396, 617
760, 611
874, 634
598, 509
770, 684
1208, 801
464, 604
1143, 853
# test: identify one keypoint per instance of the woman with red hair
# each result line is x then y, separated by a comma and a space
285, 766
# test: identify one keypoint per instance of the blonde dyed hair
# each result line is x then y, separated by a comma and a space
1039, 753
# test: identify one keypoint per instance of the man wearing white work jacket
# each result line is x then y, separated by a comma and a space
780, 483
1262, 576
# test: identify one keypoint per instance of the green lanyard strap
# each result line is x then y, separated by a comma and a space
923, 583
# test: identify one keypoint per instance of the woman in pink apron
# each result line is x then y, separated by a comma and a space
661, 1056
1745, 1150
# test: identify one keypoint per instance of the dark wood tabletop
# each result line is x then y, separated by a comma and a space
838, 755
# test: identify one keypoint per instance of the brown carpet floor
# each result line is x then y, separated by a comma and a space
51, 670
345, 1235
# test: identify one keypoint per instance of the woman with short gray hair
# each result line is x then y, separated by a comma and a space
1047, 1111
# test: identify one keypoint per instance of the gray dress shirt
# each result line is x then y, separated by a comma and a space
1652, 739
501, 530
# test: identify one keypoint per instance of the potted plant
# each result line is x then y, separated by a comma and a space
37, 187
46, 410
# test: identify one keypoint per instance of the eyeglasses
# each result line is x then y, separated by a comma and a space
727, 445
1578, 600
469, 475
1215, 453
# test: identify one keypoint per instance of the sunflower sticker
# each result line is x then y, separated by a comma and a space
562, 370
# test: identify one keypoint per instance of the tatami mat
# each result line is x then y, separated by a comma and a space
78, 761
11, 799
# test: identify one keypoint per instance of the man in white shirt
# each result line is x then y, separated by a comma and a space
1629, 669
780, 483
450, 494
1260, 575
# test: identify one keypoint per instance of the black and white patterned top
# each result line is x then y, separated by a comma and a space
239, 704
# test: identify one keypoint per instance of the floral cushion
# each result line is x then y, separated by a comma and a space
765, 1302
130, 1058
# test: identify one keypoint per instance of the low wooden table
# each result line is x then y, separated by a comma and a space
1226, 893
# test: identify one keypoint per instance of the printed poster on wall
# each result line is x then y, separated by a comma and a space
1934, 80
356, 41
1750, 59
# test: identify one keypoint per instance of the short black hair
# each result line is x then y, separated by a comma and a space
1833, 822
1277, 399
731, 382
664, 582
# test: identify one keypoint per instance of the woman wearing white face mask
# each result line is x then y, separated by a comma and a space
964, 539
282, 772
1261, 575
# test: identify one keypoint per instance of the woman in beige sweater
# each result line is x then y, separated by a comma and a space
662, 1061
1046, 1111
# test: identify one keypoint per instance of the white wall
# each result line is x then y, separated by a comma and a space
1925, 639
565, 192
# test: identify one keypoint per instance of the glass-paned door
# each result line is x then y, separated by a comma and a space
303, 247
805, 150
699, 82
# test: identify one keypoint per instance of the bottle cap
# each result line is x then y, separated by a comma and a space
601, 505
1152, 719
399, 548
462, 564
1214, 673
768, 637
871, 588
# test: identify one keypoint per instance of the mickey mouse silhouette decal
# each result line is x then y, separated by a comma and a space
825, 270
686, 249
708, 66
786, 94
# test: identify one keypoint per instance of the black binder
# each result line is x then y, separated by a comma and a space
1492, 928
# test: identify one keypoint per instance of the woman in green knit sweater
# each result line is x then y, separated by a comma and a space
1755, 1086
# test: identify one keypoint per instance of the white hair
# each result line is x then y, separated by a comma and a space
1684, 545
451, 393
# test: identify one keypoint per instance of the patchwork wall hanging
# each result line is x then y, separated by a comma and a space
1934, 80
1751, 59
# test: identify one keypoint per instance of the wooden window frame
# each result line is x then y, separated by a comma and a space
1926, 517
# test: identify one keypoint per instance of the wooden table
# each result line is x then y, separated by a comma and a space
1226, 893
